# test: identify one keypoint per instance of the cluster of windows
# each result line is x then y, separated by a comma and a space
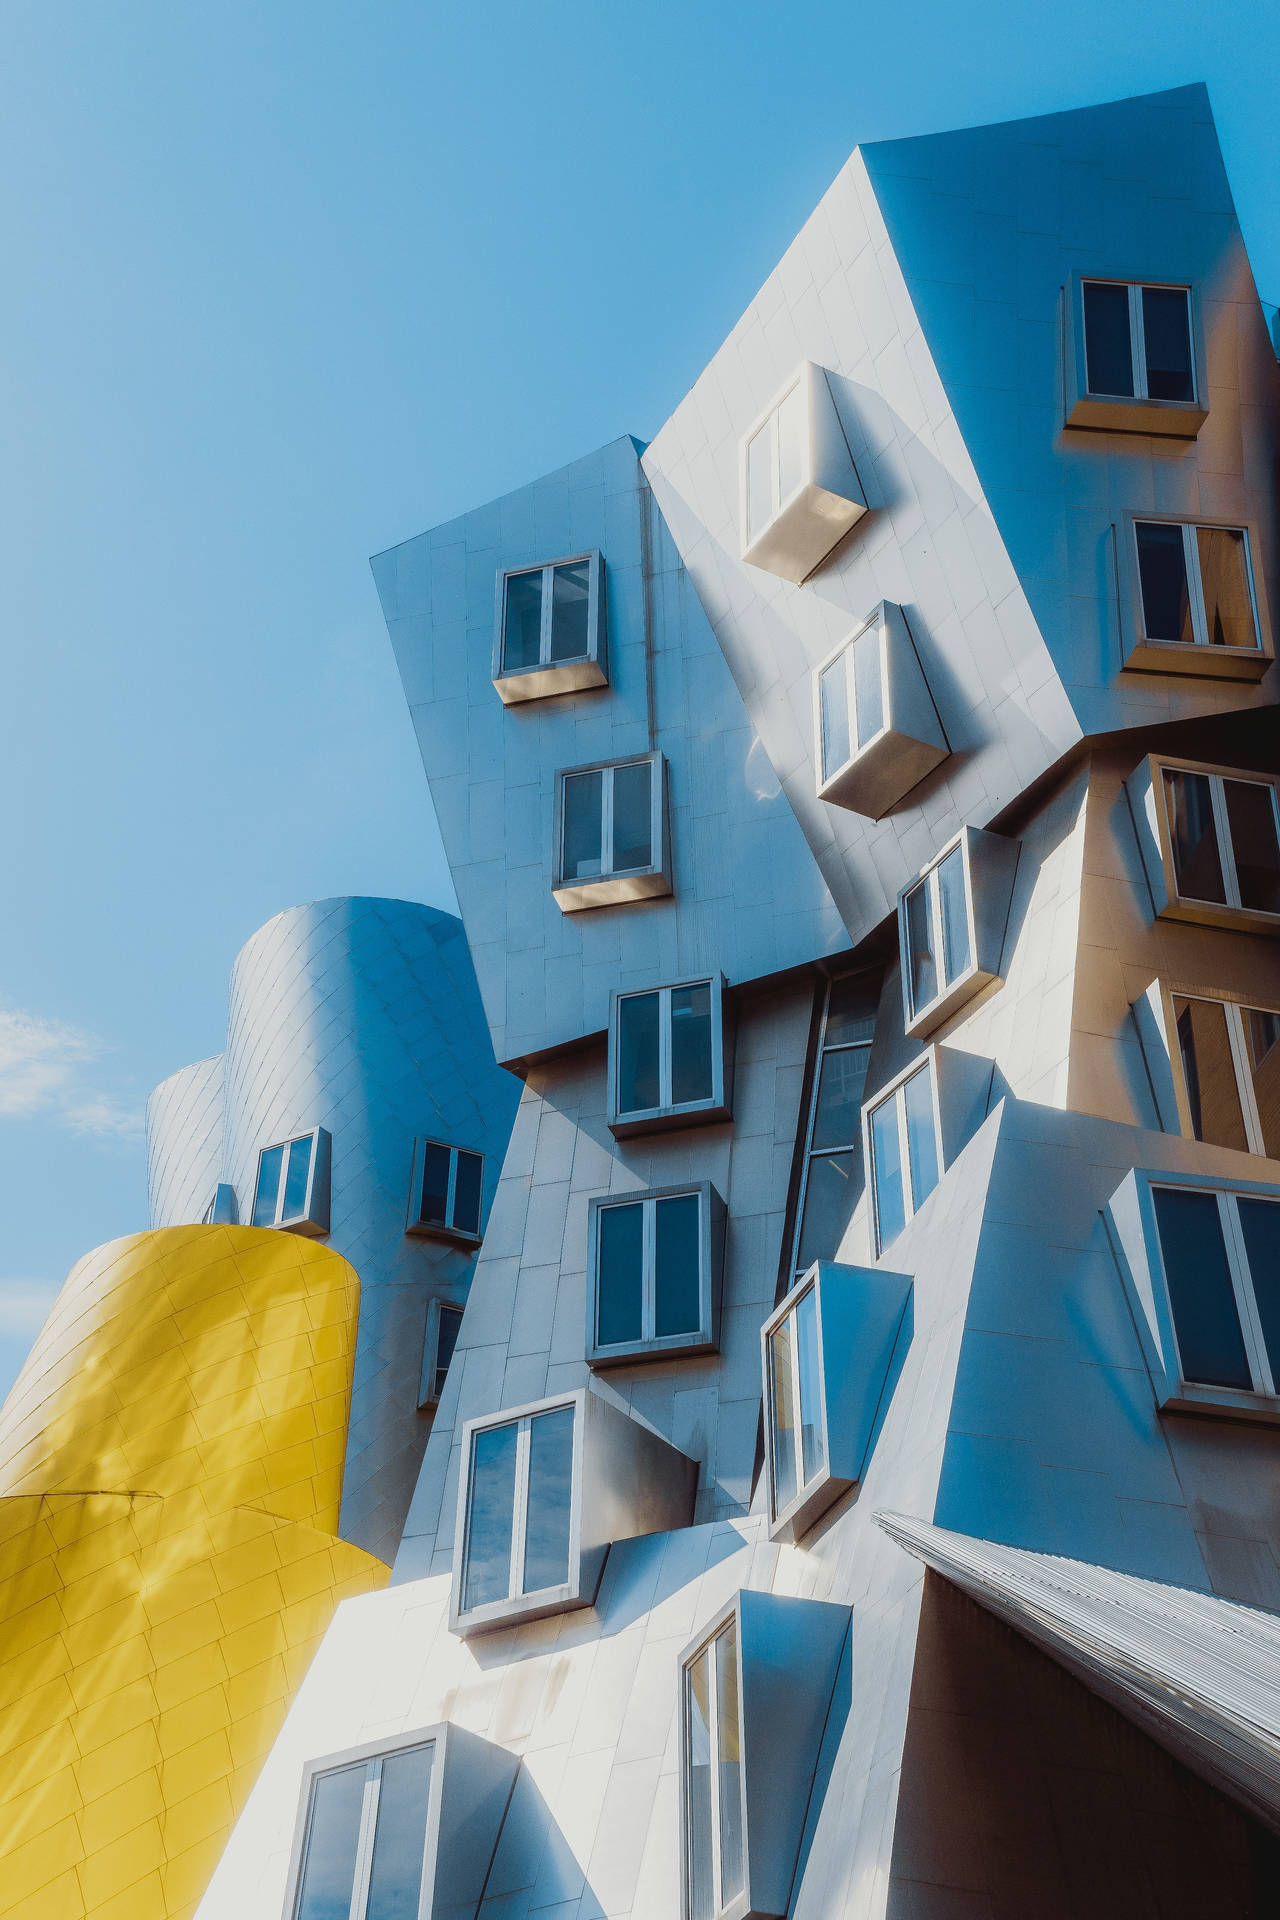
1224, 833
1138, 340
831, 1164
1220, 1252
365, 1838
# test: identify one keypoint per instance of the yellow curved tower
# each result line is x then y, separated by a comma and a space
170, 1473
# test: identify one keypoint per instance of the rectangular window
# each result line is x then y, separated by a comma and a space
1230, 1072
519, 1508
798, 1451
446, 1192
365, 1841
777, 461
292, 1178
611, 834
653, 1280
715, 1868
831, 1166
904, 1152
851, 700
444, 1323
1138, 341
937, 924
1221, 1257
1224, 837
546, 614
667, 1055
1196, 585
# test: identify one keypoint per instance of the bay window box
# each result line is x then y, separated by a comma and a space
800, 489
446, 1193
951, 926
670, 1060
292, 1187
611, 834
654, 1270
1210, 842
444, 1324
549, 632
1194, 602
876, 729
1135, 357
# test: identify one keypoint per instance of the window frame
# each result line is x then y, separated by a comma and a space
804, 529
434, 1229
1137, 412
895, 1090
807, 1152
429, 1395
790, 1515
1198, 656
989, 864
1235, 1007
548, 677
705, 1338
717, 1106
313, 1221
613, 888
372, 1754
543, 1600
1148, 800
728, 1619
223, 1210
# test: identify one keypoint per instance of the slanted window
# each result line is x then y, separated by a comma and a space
715, 1809
1138, 340
796, 1416
520, 1503
549, 629
800, 490
292, 1189
777, 460
444, 1323
1230, 1059
654, 1274
1196, 586
446, 1192
939, 932
951, 927
365, 1839
905, 1153
877, 729
667, 1056
1220, 1254
1224, 839
611, 834
831, 1173
221, 1210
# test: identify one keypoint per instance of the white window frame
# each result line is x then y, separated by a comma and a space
311, 1216
1195, 583
1264, 1382
516, 1603
1222, 828
789, 1310
429, 1392
768, 422
373, 1757
613, 885
711, 1226
931, 883
715, 1106
442, 1229
726, 1622
896, 1092
1238, 1043
1138, 334
827, 775
544, 664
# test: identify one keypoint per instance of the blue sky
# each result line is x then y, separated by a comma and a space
286, 283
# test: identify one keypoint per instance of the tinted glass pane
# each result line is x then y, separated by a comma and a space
1224, 576
546, 1541
268, 1188
620, 1302
886, 1161
922, 1138
328, 1874
677, 1302
1262, 1032
840, 1094
813, 1452
833, 701
446, 1341
782, 1414
793, 439
1108, 353
1252, 817
1166, 330
434, 1207
1209, 1073
295, 1182
1200, 1293
638, 1053
851, 1008
868, 693
493, 1492
831, 1192
729, 1757
1260, 1230
570, 602
1162, 572
760, 480
690, 1045
400, 1837
467, 1186
632, 817
583, 825
1197, 866
922, 970
956, 951
697, 1697
522, 628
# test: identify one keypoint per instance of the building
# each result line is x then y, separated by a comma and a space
852, 1490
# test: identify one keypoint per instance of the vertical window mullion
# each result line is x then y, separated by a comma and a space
1138, 342
939, 932
281, 1182
544, 631
451, 1189
1244, 1076
664, 1046
364, 1845
1226, 847
520, 1517
1242, 1285
1195, 585
648, 1268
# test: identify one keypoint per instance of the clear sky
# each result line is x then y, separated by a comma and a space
287, 281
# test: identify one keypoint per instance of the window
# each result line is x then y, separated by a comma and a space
1220, 1253
446, 1192
777, 460
1230, 1072
292, 1190
654, 1273
796, 1417
667, 1056
1195, 586
521, 1487
800, 490
1135, 357
365, 1841
939, 946
715, 1814
905, 1156
549, 636
951, 927
221, 1210
877, 729
611, 834
1225, 840
444, 1323
831, 1172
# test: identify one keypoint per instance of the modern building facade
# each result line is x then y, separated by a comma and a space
853, 1487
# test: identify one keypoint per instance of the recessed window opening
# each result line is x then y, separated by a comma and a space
1138, 341
939, 940
364, 1848
519, 1507
608, 821
448, 1188
797, 1421
546, 615
777, 461
1230, 1059
905, 1156
1225, 839
1221, 1258
851, 700
284, 1182
714, 1800
1196, 584
831, 1173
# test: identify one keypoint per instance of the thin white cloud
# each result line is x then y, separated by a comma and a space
43, 1074
24, 1305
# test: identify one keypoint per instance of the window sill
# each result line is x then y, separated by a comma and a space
803, 533
657, 1119
879, 777
570, 1597
312, 1229
794, 1520
957, 995
431, 1230
1178, 419
612, 891
1227, 1403
1208, 663
631, 1353
1211, 913
540, 683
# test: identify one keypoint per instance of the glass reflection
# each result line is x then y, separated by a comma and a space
1251, 816
638, 1082
620, 1290
832, 1187
698, 1836
1208, 1072
1166, 332
570, 602
333, 1834
632, 817
833, 703
868, 690
434, 1207
786, 1464
400, 1837
922, 1137
1201, 1296
677, 1298
267, 1192
886, 1165
491, 1514
956, 950
1162, 575
1224, 579
813, 1444
691, 1065
583, 825
522, 626
295, 1182
1197, 864
546, 1549
921, 961
729, 1768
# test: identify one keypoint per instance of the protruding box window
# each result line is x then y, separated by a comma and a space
654, 1270
831, 1166
904, 1151
444, 1324
757, 1689
1214, 1067
828, 1350
292, 1189
800, 489
1194, 602
611, 834
668, 1058
1135, 359
222, 1210
1210, 843
951, 925
544, 1490
446, 1193
877, 730
550, 629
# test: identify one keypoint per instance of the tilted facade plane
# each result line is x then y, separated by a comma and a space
813, 1453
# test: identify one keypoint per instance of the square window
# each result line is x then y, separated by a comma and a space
877, 730
1135, 360
800, 489
904, 1152
549, 634
1210, 843
292, 1189
444, 1324
446, 1193
951, 926
667, 1057
654, 1270
611, 841
1193, 604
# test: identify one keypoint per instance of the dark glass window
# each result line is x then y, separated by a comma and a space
468, 1185
1197, 864
1166, 329
1209, 1074
639, 1088
830, 1144
691, 1062
1162, 573
677, 1304
583, 857
435, 1184
1251, 816
1260, 1231
666, 1047
570, 606
607, 822
1201, 1296
1138, 341
620, 1281
632, 816
649, 1280
1108, 352
546, 615
448, 1327
522, 626
450, 1188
